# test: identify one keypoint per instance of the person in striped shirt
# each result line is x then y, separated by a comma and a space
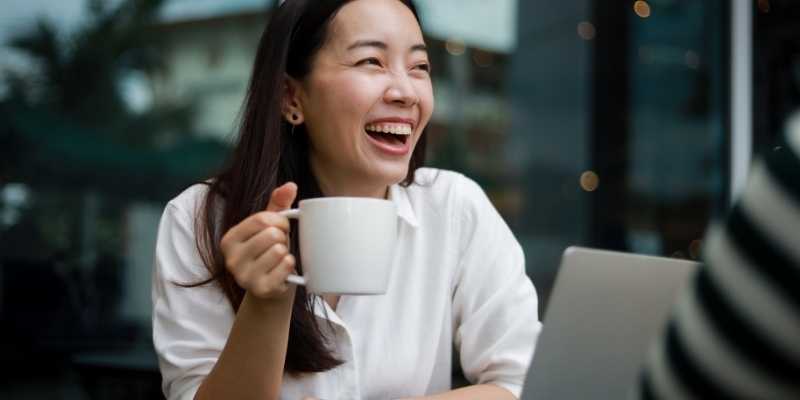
735, 330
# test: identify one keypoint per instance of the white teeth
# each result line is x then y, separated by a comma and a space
395, 129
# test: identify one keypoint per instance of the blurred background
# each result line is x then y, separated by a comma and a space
624, 125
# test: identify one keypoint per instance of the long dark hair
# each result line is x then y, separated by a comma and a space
267, 155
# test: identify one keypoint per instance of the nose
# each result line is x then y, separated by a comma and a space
401, 91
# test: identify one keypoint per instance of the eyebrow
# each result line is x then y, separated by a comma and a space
383, 46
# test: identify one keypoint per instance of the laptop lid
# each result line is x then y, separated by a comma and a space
605, 310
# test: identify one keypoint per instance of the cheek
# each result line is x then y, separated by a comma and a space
350, 96
339, 111
426, 100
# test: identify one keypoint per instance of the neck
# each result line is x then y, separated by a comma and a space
333, 185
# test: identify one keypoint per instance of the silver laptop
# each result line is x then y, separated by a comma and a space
604, 311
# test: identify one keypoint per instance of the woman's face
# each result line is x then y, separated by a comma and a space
367, 98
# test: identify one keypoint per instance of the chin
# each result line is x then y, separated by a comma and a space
392, 174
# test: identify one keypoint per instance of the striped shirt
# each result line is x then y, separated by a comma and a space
735, 331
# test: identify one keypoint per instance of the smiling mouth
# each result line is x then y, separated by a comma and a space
395, 134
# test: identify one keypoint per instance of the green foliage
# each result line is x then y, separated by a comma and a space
79, 76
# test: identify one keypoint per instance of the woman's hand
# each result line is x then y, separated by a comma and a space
257, 249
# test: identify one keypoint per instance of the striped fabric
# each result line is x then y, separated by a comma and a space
735, 331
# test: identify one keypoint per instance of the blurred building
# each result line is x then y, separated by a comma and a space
210, 48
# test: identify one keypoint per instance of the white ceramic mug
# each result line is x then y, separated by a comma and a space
346, 244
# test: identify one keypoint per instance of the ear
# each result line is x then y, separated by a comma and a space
292, 107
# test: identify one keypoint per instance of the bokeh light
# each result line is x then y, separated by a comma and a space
455, 46
641, 8
590, 181
586, 30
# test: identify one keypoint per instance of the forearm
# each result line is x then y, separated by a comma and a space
251, 364
475, 392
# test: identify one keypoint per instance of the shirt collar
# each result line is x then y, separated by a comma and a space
323, 311
399, 196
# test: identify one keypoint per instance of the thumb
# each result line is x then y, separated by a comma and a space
282, 197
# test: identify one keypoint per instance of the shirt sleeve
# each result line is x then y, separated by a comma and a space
190, 325
496, 322
734, 330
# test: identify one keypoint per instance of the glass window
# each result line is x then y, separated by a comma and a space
776, 69
604, 126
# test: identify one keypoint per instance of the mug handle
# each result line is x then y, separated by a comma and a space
293, 213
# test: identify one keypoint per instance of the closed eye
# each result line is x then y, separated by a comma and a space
424, 67
370, 61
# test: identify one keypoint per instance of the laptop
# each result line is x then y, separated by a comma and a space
605, 310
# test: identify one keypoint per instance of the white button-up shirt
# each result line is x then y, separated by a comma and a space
458, 283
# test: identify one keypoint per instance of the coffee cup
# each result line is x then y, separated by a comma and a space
346, 244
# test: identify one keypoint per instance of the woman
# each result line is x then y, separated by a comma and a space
337, 105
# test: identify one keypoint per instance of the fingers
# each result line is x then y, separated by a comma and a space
261, 264
259, 272
274, 282
252, 226
261, 243
256, 250
239, 254
282, 197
